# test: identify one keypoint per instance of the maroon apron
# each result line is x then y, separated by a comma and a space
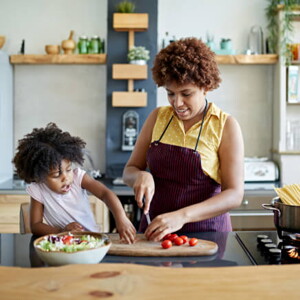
180, 182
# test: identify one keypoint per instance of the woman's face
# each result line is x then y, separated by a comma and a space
188, 101
60, 180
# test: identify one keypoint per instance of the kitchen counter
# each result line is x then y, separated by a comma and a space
119, 277
17, 250
124, 281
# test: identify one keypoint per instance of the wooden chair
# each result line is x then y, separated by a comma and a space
25, 218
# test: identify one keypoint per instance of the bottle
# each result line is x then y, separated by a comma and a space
83, 45
94, 45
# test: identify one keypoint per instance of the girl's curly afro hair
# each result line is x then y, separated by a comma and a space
43, 149
185, 61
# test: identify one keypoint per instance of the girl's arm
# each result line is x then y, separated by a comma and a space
36, 219
39, 228
124, 226
231, 156
134, 174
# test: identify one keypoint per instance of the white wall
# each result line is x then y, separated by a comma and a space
73, 96
246, 91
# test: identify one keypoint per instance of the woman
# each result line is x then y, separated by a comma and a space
194, 150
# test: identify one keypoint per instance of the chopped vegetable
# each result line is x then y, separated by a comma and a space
69, 243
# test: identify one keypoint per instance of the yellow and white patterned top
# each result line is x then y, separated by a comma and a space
210, 138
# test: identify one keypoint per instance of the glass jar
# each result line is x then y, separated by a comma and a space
94, 45
83, 45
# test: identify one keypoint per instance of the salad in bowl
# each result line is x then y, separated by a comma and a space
72, 248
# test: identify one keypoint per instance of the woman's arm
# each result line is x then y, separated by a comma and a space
134, 174
231, 156
124, 226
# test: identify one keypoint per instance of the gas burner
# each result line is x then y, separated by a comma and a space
291, 239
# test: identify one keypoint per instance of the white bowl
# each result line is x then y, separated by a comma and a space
88, 256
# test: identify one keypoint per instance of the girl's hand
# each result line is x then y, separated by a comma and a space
74, 226
126, 230
164, 224
144, 190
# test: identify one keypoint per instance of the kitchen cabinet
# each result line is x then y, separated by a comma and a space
250, 215
10, 210
130, 23
284, 113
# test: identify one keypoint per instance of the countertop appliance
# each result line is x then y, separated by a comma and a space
260, 170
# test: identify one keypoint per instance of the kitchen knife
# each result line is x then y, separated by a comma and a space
147, 214
148, 218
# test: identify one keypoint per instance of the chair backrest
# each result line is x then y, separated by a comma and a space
25, 218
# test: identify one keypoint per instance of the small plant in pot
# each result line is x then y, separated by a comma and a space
125, 7
138, 55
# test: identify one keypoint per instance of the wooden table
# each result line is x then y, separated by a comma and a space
124, 281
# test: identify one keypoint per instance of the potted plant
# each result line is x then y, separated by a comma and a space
127, 7
138, 55
284, 30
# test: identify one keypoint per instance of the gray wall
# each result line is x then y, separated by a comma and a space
117, 49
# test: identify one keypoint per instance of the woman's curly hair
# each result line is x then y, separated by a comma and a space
185, 61
43, 149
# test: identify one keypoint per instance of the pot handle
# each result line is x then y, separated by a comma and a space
271, 207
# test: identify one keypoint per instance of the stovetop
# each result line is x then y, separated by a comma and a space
266, 248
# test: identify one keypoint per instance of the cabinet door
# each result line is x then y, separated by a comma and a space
10, 212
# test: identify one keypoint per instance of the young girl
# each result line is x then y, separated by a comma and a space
58, 191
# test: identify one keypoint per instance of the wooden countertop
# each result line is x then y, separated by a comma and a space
123, 281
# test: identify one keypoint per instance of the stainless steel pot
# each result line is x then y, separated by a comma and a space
286, 217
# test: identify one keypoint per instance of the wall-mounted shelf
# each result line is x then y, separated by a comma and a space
257, 59
129, 71
129, 99
58, 59
127, 22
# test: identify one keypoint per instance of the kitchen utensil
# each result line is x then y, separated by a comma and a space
286, 217
148, 218
2, 41
88, 256
69, 45
143, 247
52, 49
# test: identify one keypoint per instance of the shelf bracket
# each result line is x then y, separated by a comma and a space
130, 39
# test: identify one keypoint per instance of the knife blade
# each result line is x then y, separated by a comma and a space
148, 218
147, 214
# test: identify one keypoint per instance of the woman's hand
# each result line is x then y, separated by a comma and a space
144, 190
126, 229
74, 226
164, 224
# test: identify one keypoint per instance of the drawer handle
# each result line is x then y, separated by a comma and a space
245, 202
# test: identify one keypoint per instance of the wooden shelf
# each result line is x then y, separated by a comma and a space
129, 71
58, 59
129, 99
257, 59
128, 22
287, 152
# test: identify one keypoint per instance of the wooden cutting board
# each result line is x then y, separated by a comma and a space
143, 247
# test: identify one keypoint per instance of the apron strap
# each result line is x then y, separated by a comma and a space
165, 130
198, 138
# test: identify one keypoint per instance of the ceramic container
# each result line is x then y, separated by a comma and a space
52, 49
88, 256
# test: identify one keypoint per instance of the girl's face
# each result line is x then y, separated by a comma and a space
60, 180
188, 101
